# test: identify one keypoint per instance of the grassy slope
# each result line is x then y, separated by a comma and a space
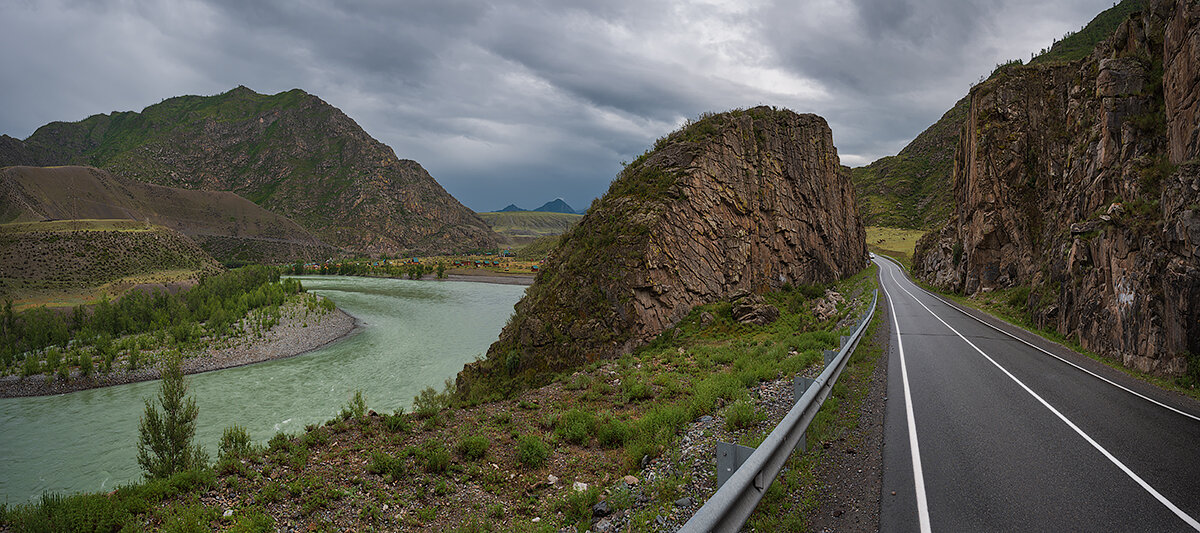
913, 188
894, 242
71, 262
72, 192
524, 226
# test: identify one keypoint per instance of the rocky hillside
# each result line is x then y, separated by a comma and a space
912, 189
736, 203
229, 227
291, 153
1080, 181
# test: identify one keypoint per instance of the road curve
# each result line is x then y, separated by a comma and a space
984, 432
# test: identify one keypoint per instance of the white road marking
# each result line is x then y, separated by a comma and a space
918, 475
1162, 499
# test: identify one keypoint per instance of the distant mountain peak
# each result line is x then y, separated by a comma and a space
556, 206
511, 207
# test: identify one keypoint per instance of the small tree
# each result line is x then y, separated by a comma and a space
441, 271
165, 442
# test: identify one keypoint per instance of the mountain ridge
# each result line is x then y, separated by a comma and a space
291, 153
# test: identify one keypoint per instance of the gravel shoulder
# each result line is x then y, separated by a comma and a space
296, 333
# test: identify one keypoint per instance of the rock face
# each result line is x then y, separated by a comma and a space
290, 153
745, 201
1080, 181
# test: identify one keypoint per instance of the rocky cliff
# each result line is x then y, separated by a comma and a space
291, 153
745, 201
1079, 180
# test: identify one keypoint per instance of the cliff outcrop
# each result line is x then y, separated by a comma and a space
1079, 181
291, 153
739, 202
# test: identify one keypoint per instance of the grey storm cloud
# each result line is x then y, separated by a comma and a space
522, 102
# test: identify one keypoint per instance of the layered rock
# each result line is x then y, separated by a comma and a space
291, 153
1074, 179
745, 201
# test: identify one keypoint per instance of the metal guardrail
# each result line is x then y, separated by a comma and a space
735, 500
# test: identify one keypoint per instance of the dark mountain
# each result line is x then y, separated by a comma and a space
511, 208
291, 153
556, 206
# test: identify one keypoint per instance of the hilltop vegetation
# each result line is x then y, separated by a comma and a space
291, 153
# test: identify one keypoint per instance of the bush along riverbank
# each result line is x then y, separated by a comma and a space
238, 317
619, 445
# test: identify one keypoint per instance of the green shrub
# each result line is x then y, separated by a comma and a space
165, 439
429, 403
386, 465
576, 507
254, 521
742, 415
235, 444
356, 409
532, 451
611, 432
396, 422
436, 458
473, 448
634, 390
575, 426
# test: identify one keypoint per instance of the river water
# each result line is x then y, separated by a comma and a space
414, 334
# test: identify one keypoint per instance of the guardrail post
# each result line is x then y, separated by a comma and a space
800, 385
829, 355
729, 457
845, 339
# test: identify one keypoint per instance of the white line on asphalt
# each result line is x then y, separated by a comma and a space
918, 476
1060, 358
1178, 512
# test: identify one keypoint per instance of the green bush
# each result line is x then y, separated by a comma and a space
435, 456
473, 448
575, 426
356, 409
532, 451
634, 390
235, 444
742, 415
611, 432
396, 422
429, 403
387, 465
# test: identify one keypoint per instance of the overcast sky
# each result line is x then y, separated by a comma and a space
523, 102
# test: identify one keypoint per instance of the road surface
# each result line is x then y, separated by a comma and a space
984, 432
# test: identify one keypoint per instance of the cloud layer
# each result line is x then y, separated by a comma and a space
522, 102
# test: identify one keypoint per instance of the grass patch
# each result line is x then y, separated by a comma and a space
896, 242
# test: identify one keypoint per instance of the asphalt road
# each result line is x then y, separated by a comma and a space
1011, 438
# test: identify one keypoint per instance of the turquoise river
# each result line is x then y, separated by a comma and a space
412, 334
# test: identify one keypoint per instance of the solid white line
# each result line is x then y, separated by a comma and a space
1095, 375
1178, 512
918, 475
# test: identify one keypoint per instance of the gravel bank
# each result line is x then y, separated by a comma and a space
295, 334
